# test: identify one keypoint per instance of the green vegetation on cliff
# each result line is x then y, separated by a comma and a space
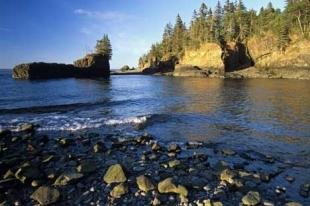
232, 22
104, 47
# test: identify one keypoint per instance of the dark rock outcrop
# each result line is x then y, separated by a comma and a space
236, 56
92, 65
41, 70
189, 71
161, 67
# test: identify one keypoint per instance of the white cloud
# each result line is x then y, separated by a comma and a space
86, 31
108, 15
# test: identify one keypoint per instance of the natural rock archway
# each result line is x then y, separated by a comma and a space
235, 56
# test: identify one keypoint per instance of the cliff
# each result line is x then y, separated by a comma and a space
267, 60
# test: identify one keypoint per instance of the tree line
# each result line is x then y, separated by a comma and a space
231, 22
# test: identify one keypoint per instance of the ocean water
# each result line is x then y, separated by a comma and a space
271, 116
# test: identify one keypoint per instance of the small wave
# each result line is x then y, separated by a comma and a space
128, 120
58, 107
47, 109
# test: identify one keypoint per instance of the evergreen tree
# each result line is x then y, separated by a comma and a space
283, 36
211, 27
104, 47
218, 15
179, 36
299, 12
167, 46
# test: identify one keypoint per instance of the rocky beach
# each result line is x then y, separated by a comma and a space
87, 168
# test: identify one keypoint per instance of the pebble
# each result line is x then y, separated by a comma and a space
114, 174
46, 195
252, 198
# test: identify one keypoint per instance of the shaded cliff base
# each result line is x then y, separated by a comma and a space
271, 73
248, 73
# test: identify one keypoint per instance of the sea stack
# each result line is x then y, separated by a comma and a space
92, 65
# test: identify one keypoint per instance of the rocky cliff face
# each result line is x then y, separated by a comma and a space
210, 59
92, 65
266, 54
160, 67
95, 65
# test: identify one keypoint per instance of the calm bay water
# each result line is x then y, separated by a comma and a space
272, 116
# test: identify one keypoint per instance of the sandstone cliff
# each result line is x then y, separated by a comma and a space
268, 61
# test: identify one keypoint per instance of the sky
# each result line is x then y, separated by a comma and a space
65, 30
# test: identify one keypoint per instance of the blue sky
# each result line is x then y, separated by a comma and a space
64, 30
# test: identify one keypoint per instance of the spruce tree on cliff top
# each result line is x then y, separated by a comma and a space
104, 47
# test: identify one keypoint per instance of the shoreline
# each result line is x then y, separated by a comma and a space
248, 73
76, 169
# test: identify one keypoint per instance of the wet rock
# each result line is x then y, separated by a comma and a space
304, 190
26, 173
156, 147
65, 142
144, 183
119, 190
27, 127
252, 198
217, 204
265, 177
86, 167
8, 174
228, 152
67, 178
156, 201
4, 203
15, 139
174, 148
289, 178
98, 147
167, 186
174, 163
228, 176
46, 195
152, 157
293, 204
114, 174
48, 159
194, 145
35, 183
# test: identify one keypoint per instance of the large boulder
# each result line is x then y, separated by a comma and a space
41, 70
96, 65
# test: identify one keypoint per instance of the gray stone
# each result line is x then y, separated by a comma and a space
167, 186
144, 183
46, 195
119, 190
252, 198
27, 127
115, 174
67, 178
27, 173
